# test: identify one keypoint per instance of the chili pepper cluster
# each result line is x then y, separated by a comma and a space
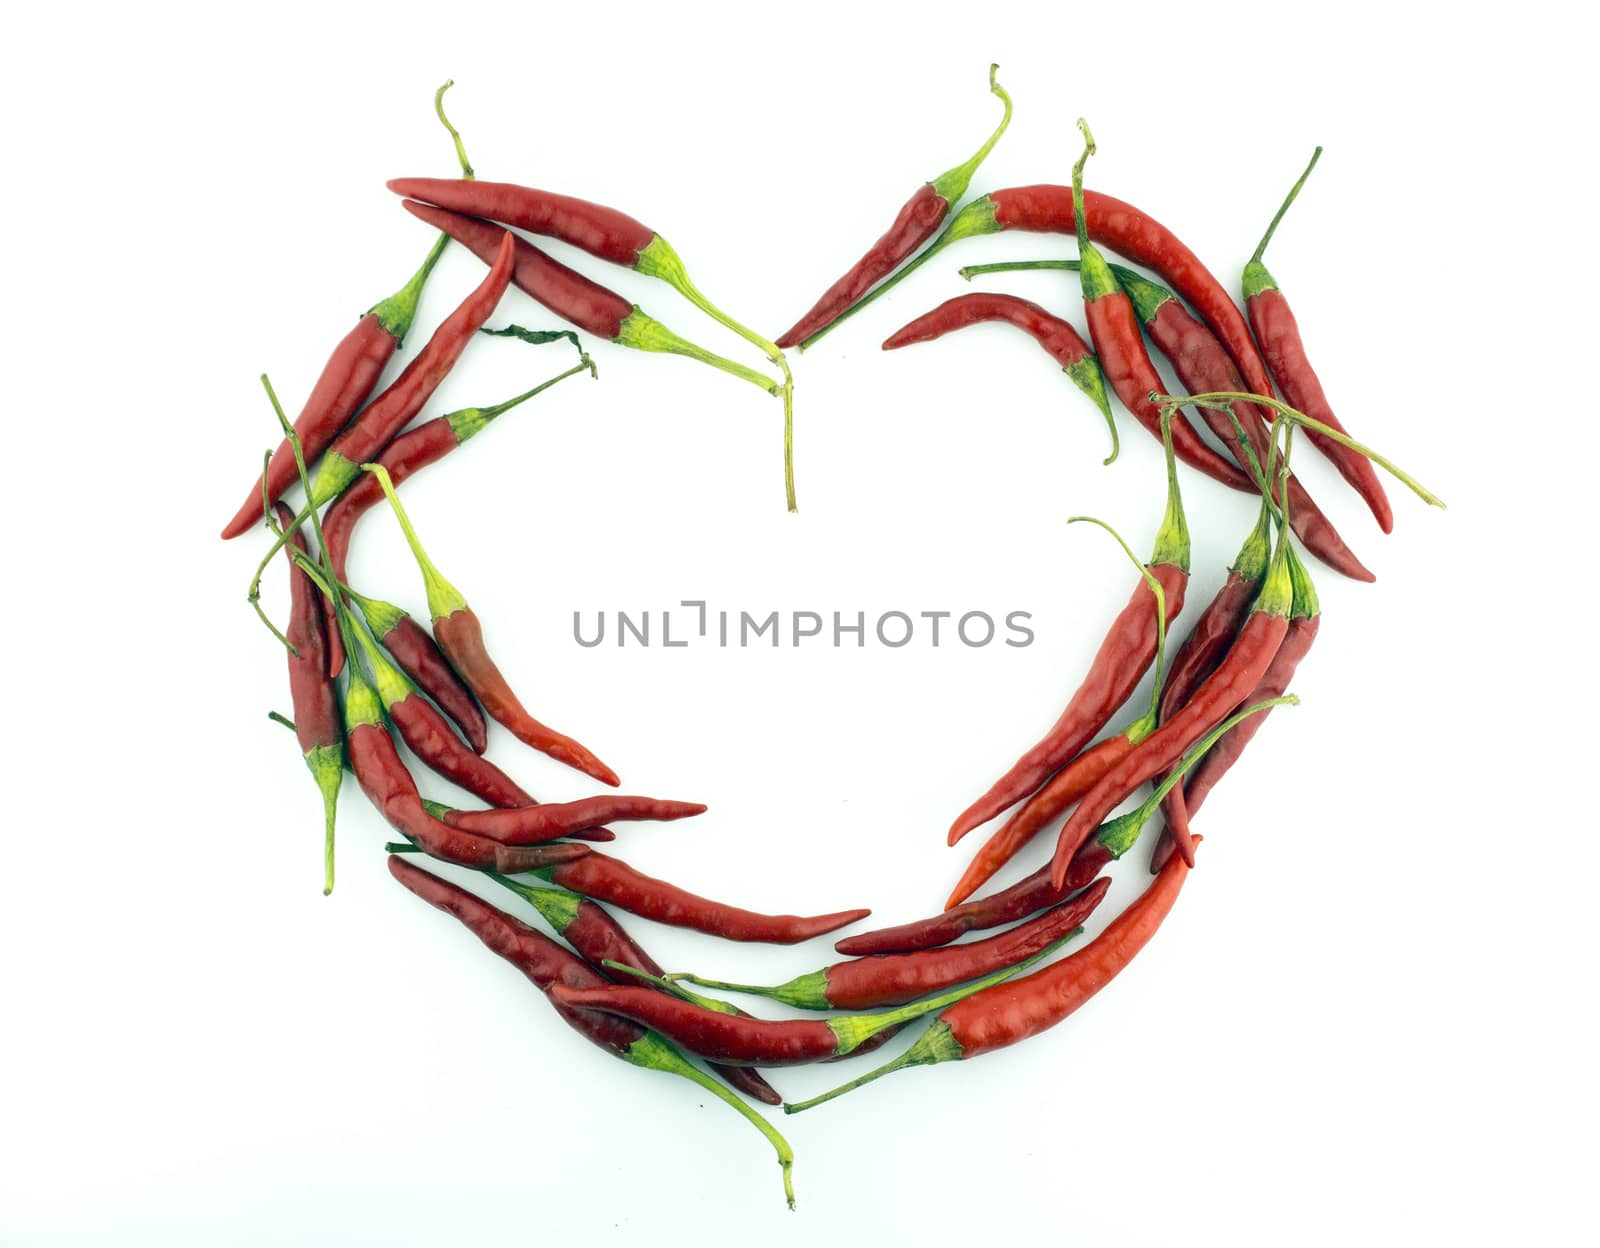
363, 672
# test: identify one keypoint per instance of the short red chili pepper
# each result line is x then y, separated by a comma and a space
1119, 665
1279, 334
600, 939
919, 217
343, 386
1055, 335
1221, 692
547, 965
1020, 1009
864, 983
460, 636
729, 1038
317, 722
527, 825
572, 296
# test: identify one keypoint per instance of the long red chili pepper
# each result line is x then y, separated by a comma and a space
864, 983
318, 726
599, 940
460, 636
527, 825
344, 384
1055, 335
548, 965
1279, 335
608, 235
1221, 692
732, 1039
1019, 1009
918, 218
1118, 666
1203, 364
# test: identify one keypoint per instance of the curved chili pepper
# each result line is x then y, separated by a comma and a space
1118, 666
1114, 329
547, 965
572, 296
527, 825
412, 648
1304, 617
1221, 692
1279, 336
1203, 365
318, 726
608, 235
1055, 335
460, 636
610, 880
599, 940
919, 217
344, 384
1007, 1013
728, 1038
864, 983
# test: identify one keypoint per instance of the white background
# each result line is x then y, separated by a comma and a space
1367, 1017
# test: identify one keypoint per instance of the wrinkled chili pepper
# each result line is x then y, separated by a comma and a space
1203, 364
460, 636
1279, 335
344, 384
1118, 666
548, 966
918, 218
599, 940
864, 983
318, 726
731, 1039
1055, 335
607, 235
1017, 1010
527, 825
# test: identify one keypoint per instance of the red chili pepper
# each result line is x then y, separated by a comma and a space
346, 380
412, 648
919, 217
864, 983
571, 295
728, 1038
1118, 666
318, 726
1052, 333
1203, 365
1019, 1009
527, 825
1279, 335
1225, 689
606, 234
547, 965
600, 939
460, 636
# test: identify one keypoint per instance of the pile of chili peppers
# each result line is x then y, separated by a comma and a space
364, 673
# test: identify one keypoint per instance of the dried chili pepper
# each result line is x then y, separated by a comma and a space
1203, 364
1279, 335
607, 235
344, 384
1118, 666
460, 636
600, 940
318, 726
918, 218
572, 296
548, 966
1023, 1008
864, 983
1055, 335
527, 825
721, 1037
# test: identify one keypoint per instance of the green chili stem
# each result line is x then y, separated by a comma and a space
443, 597
276, 718
1202, 747
455, 135
1284, 207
